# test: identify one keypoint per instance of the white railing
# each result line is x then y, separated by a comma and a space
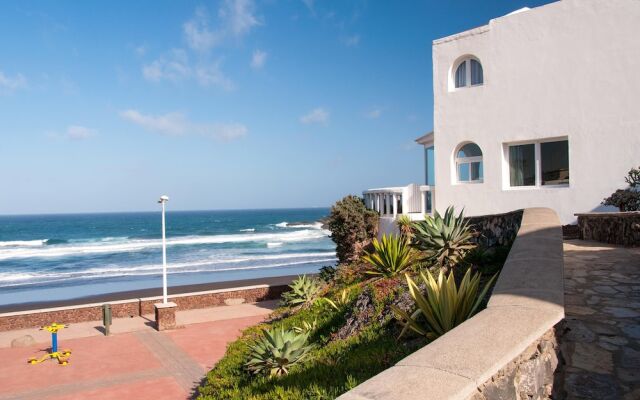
413, 200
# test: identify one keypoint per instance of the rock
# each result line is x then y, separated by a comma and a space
23, 341
605, 289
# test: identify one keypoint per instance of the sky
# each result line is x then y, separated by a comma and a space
220, 104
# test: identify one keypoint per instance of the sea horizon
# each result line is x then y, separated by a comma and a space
50, 257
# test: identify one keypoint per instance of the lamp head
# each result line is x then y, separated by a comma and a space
163, 199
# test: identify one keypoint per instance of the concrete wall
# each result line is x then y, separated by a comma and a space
508, 350
567, 69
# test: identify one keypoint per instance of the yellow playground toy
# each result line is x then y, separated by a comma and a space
61, 356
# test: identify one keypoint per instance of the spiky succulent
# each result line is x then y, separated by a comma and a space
405, 226
276, 351
306, 327
444, 240
390, 256
444, 305
304, 290
340, 302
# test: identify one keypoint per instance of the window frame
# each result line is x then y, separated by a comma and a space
538, 164
457, 161
467, 73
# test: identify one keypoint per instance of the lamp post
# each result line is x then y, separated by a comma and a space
163, 200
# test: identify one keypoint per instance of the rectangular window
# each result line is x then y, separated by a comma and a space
522, 165
542, 163
476, 171
554, 162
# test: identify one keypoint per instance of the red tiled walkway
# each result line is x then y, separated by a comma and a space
136, 365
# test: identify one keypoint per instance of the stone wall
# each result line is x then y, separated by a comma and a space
621, 228
498, 229
508, 350
530, 376
136, 307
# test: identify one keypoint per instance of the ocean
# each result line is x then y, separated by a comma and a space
61, 257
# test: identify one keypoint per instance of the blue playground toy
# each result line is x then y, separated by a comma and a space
61, 356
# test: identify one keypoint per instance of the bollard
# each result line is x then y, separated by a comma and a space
106, 318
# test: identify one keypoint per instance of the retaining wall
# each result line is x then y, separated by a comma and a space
136, 307
509, 349
621, 228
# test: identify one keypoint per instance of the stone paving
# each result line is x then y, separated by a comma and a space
601, 340
137, 362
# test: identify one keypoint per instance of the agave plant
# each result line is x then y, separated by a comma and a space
276, 351
391, 255
444, 305
307, 327
445, 240
405, 226
340, 302
304, 290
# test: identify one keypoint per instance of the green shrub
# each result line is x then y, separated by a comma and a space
444, 305
276, 351
390, 256
352, 227
627, 199
304, 291
327, 273
445, 240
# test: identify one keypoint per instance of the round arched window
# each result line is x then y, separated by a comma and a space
468, 73
469, 166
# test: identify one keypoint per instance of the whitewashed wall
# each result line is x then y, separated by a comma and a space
570, 68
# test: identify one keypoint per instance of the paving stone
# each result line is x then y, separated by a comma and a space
592, 386
617, 340
621, 312
632, 330
605, 289
592, 358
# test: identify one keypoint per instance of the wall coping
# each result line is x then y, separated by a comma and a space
527, 301
133, 300
607, 214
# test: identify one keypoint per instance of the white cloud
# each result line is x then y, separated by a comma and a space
199, 36
140, 50
212, 75
173, 123
9, 84
316, 116
374, 113
173, 67
74, 132
352, 41
177, 124
309, 4
239, 16
258, 59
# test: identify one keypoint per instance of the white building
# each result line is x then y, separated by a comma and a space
539, 108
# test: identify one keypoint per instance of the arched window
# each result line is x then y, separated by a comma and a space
468, 73
469, 166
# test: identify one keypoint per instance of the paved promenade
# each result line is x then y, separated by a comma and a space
602, 344
136, 362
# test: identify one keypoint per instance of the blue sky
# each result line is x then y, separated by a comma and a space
219, 104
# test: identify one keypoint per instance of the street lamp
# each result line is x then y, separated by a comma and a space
163, 200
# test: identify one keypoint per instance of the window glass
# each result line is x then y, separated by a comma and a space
522, 165
475, 169
469, 150
554, 162
463, 172
476, 73
461, 75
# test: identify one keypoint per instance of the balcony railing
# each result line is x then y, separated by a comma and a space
413, 200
